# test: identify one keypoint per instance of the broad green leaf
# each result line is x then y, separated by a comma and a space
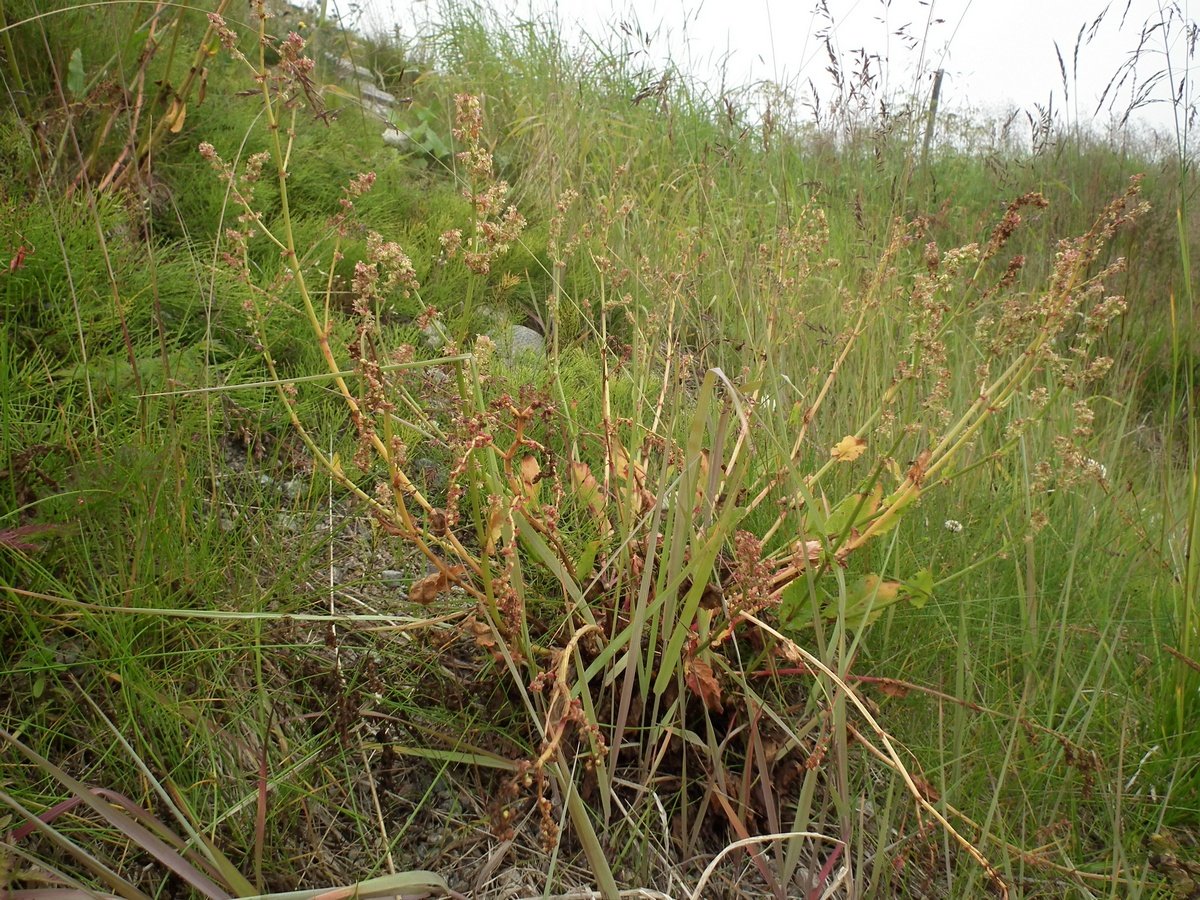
866, 599
75, 81
587, 560
796, 605
853, 511
919, 588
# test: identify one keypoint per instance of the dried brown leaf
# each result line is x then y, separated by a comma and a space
891, 688
427, 589
806, 552
703, 682
916, 472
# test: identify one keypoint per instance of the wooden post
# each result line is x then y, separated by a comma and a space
931, 117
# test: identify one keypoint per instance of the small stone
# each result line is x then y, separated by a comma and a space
526, 340
394, 137
393, 576
287, 522
371, 94
517, 340
432, 337
349, 69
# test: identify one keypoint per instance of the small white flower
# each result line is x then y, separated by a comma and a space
953, 526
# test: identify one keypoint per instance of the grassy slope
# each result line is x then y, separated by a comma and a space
1062, 632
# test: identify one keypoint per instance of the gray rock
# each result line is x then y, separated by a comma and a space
521, 341
349, 69
432, 337
513, 341
394, 137
374, 95
288, 522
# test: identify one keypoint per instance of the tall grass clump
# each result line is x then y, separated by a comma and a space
671, 579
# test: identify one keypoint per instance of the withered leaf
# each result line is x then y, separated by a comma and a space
529, 475
177, 114
703, 682
806, 552
890, 688
916, 472
482, 633
926, 790
427, 589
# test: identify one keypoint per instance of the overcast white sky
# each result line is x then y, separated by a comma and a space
995, 53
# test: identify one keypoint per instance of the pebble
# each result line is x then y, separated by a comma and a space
516, 341
394, 137
287, 522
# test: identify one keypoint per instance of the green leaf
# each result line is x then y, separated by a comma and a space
587, 560
852, 511
919, 588
75, 82
866, 599
797, 604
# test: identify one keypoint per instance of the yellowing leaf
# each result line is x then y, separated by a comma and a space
848, 448
893, 468
495, 529
631, 482
528, 485
884, 591
587, 488
866, 599
873, 501
177, 115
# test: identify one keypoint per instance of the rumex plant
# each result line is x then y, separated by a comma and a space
672, 585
